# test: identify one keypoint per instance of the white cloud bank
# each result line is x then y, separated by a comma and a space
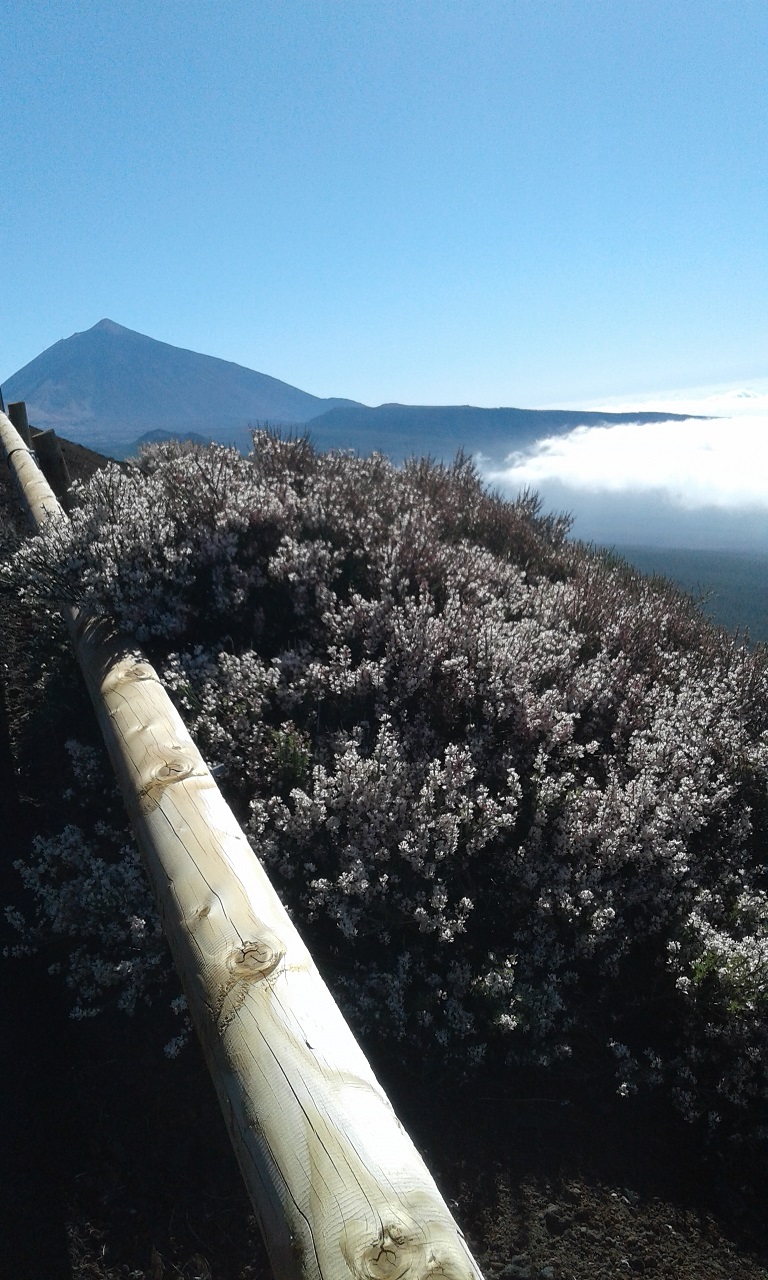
692, 483
722, 463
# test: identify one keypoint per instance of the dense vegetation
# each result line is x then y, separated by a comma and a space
515, 795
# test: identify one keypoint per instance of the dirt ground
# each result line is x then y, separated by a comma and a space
114, 1162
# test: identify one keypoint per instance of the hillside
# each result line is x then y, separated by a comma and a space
493, 640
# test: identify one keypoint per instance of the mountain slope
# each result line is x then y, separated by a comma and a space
110, 384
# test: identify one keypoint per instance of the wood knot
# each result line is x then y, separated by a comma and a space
172, 771
128, 673
405, 1248
253, 961
169, 769
256, 959
141, 671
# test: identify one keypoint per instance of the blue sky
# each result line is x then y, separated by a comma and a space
519, 202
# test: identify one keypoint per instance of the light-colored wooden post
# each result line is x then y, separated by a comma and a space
340, 1191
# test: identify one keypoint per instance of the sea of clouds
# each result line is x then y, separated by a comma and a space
698, 483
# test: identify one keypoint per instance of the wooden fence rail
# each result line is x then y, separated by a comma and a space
338, 1187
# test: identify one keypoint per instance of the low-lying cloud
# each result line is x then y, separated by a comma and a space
697, 483
722, 462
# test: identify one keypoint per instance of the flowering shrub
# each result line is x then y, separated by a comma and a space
515, 795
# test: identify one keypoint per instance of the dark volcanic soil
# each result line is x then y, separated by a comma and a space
114, 1162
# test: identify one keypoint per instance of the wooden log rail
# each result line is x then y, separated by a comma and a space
338, 1187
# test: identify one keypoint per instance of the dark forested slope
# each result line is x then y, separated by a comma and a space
441, 431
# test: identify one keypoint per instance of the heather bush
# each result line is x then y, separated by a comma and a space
514, 794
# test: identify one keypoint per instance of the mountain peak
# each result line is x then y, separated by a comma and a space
108, 326
90, 389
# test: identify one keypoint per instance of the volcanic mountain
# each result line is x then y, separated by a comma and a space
109, 386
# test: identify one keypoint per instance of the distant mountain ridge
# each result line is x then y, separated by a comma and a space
442, 430
109, 386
